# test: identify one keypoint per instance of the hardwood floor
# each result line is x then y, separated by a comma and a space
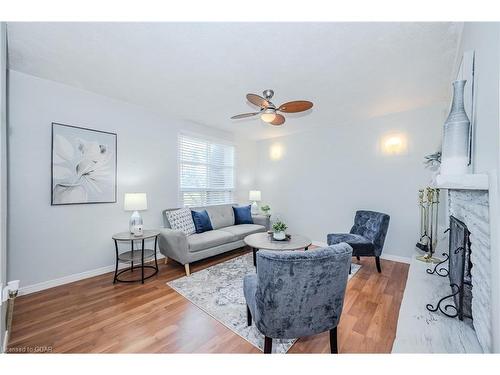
96, 316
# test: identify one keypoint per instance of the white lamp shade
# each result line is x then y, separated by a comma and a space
254, 195
135, 202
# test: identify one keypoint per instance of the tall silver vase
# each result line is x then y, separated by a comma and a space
455, 157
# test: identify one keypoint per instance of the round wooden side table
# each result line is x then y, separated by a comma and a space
137, 256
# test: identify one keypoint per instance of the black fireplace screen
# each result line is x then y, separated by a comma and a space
459, 273
460, 267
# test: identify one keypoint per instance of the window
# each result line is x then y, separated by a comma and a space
206, 172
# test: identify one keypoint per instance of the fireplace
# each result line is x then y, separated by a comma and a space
471, 206
422, 331
458, 273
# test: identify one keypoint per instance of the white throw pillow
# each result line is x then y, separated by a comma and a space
181, 220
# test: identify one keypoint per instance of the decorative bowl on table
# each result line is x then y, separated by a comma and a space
280, 236
284, 237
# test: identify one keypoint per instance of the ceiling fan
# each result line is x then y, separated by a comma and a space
269, 112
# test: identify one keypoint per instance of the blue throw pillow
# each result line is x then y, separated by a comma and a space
201, 221
243, 215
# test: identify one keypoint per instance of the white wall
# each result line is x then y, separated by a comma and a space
484, 39
49, 242
326, 174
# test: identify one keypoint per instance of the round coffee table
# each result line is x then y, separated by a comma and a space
265, 241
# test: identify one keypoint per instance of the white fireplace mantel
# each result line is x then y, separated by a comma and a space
462, 182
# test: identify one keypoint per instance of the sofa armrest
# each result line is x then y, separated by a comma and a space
173, 244
262, 220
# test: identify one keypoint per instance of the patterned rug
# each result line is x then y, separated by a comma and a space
218, 290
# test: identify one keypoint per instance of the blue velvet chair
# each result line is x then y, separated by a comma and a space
298, 293
367, 235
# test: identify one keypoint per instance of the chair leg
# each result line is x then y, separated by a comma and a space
358, 258
186, 268
333, 341
166, 260
377, 262
350, 266
249, 317
268, 345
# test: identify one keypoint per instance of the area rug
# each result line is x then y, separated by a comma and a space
218, 290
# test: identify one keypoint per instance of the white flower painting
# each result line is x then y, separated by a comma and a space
83, 165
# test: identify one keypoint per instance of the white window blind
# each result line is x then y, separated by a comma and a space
206, 172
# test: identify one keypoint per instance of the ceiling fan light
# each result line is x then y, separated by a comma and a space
268, 116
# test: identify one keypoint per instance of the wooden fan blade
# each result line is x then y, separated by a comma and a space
279, 120
244, 115
295, 106
257, 100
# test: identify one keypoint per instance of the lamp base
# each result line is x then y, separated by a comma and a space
135, 221
255, 208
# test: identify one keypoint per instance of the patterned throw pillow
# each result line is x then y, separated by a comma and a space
181, 220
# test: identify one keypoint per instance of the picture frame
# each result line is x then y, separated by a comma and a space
83, 165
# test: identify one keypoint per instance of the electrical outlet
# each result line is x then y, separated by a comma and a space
12, 286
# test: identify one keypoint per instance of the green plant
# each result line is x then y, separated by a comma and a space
279, 226
265, 209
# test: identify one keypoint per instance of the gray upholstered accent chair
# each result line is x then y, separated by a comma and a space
298, 293
367, 235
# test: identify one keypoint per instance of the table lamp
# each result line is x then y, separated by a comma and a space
255, 197
135, 202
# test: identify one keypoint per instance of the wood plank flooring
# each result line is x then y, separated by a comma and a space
96, 316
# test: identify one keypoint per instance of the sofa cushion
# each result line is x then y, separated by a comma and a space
242, 230
212, 238
220, 215
201, 221
243, 215
181, 220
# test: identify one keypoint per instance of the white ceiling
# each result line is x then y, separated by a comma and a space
202, 71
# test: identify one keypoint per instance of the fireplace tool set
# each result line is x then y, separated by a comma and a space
428, 201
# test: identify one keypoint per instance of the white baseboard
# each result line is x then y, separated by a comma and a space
394, 258
72, 278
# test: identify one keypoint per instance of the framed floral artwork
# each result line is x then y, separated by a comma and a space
83, 165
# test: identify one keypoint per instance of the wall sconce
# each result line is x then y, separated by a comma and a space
276, 151
394, 144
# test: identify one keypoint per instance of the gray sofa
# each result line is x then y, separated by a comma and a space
225, 236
